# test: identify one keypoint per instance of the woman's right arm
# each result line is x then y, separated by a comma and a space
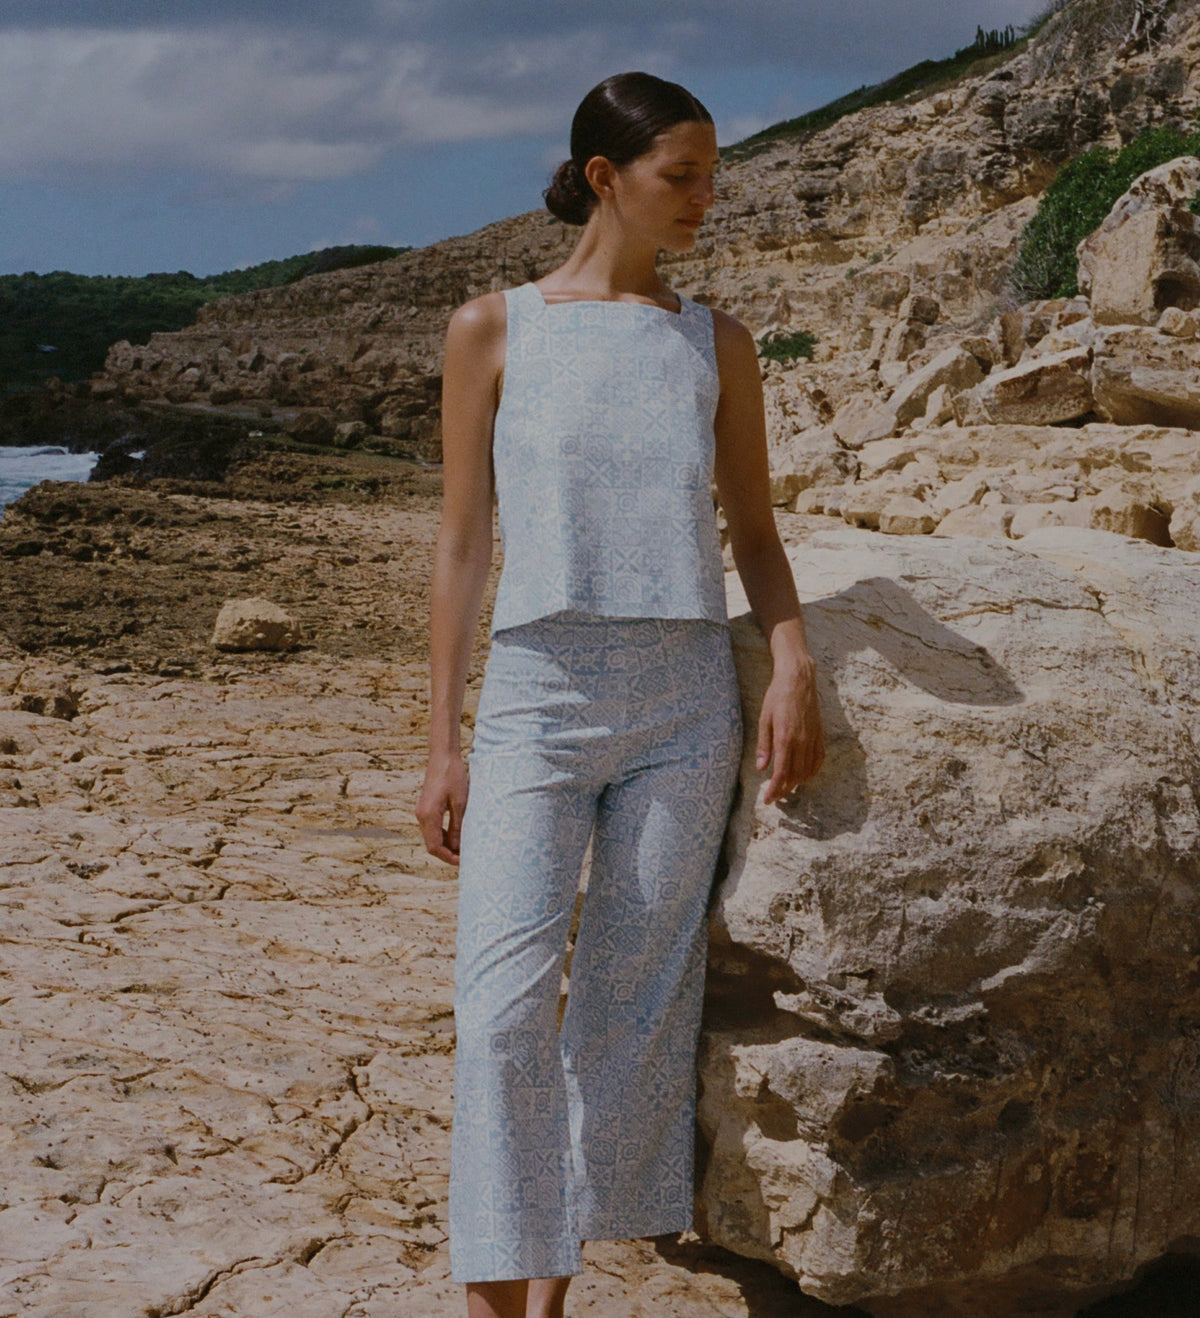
471, 373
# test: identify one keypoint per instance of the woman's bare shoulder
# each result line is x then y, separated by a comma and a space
728, 330
736, 350
481, 319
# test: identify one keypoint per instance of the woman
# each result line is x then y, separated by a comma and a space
596, 405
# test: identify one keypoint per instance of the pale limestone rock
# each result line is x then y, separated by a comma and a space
1129, 512
1129, 479
954, 367
939, 409
1143, 376
862, 421
959, 494
893, 373
1146, 255
1185, 517
810, 458
945, 1069
1016, 332
255, 624
1061, 340
1039, 391
907, 336
982, 349
1179, 323
905, 515
904, 338
885, 455
1092, 457
990, 521
969, 409
1059, 512
863, 503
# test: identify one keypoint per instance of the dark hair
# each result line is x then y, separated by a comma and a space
617, 119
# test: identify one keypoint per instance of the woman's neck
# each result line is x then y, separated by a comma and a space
606, 265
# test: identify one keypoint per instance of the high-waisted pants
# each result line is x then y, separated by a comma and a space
627, 731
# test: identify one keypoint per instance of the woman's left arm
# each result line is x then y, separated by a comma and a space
789, 727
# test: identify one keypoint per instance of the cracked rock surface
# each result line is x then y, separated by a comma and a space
225, 969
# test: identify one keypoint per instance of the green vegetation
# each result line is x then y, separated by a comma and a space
781, 347
1076, 203
998, 46
79, 316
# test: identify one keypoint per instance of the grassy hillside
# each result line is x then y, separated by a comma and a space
62, 324
996, 46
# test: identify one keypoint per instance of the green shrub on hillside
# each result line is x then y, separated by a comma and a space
781, 347
1076, 204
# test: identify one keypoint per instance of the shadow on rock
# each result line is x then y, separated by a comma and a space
768, 1294
876, 622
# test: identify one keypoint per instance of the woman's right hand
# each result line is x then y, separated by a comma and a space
444, 794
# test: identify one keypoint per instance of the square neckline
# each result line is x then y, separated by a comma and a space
609, 302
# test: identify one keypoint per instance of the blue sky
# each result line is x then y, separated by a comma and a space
203, 135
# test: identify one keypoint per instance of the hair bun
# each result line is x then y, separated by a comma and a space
570, 196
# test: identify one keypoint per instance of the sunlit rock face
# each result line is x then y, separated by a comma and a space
951, 1061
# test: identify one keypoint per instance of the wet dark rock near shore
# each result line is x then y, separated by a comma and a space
172, 442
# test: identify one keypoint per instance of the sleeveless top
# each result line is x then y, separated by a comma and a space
603, 451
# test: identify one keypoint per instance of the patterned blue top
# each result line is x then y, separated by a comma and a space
603, 453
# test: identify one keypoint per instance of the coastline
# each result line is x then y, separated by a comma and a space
23, 467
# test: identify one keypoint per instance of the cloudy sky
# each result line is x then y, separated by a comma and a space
204, 135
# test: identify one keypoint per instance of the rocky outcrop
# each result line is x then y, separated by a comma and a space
1047, 389
950, 1062
1144, 375
1145, 257
1066, 420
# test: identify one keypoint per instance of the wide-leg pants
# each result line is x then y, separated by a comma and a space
627, 731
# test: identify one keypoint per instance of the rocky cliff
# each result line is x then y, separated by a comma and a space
831, 232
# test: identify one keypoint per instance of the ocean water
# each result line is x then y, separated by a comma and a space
22, 468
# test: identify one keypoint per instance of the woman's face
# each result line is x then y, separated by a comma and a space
669, 188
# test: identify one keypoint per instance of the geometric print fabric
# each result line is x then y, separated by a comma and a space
603, 450
627, 732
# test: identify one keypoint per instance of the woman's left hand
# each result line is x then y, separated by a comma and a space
789, 730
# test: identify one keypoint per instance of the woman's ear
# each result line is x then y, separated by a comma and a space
600, 173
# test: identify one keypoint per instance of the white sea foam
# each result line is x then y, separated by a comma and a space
22, 468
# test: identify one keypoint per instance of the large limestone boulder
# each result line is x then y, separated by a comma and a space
954, 367
1144, 376
1145, 257
951, 1066
1040, 391
865, 420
